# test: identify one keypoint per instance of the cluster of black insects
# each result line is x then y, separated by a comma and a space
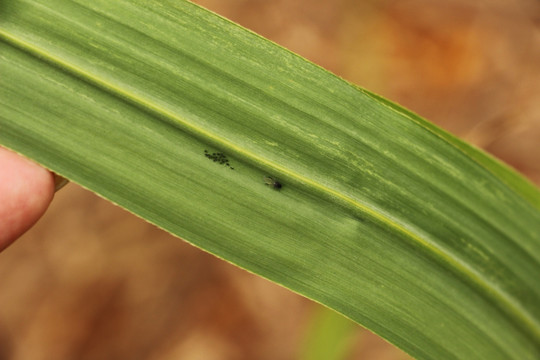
218, 157
221, 158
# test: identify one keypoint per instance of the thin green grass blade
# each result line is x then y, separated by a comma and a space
329, 336
382, 216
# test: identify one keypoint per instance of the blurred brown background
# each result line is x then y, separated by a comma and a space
92, 281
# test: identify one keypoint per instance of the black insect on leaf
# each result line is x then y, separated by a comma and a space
270, 181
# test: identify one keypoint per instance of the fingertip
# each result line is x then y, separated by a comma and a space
26, 190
